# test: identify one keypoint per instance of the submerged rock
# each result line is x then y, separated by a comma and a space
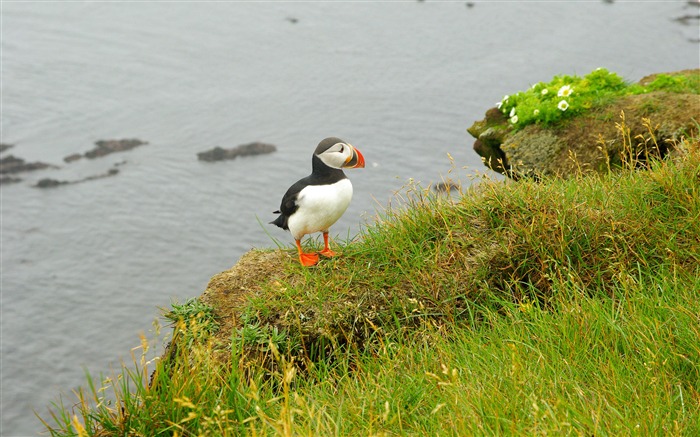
51, 183
592, 141
250, 149
106, 147
12, 164
73, 157
5, 180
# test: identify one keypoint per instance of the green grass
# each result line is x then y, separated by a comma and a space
565, 96
560, 307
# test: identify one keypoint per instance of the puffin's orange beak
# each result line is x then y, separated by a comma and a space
356, 160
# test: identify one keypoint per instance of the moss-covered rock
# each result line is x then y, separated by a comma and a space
652, 123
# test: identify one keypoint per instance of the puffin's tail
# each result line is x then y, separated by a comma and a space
280, 221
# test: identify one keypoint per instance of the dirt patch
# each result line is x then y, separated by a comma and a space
229, 291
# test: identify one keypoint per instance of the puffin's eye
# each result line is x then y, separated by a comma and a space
342, 148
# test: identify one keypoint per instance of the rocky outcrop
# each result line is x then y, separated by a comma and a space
250, 149
106, 147
51, 183
5, 180
73, 157
12, 164
601, 138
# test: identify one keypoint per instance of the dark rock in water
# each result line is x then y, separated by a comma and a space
5, 180
4, 146
111, 172
50, 183
105, 147
73, 157
220, 154
590, 141
215, 154
12, 164
687, 19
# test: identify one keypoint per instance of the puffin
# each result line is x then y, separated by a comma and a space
316, 202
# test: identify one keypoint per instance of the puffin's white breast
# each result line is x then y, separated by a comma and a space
319, 206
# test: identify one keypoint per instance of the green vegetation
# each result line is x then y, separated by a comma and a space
193, 320
561, 307
565, 96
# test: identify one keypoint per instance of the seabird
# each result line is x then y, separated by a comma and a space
316, 202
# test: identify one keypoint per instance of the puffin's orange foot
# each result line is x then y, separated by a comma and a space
326, 249
328, 253
308, 259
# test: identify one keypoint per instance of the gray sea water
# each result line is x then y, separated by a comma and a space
86, 267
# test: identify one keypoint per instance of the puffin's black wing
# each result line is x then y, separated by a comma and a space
289, 203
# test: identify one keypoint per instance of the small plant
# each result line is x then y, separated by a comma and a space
263, 338
565, 96
193, 313
192, 308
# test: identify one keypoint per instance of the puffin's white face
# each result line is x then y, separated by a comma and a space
342, 155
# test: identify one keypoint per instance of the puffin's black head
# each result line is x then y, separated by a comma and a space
336, 153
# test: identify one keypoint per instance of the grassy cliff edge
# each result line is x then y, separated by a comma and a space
560, 306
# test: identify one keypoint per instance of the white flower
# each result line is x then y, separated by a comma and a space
514, 119
502, 102
565, 91
563, 106
512, 112
544, 91
536, 112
